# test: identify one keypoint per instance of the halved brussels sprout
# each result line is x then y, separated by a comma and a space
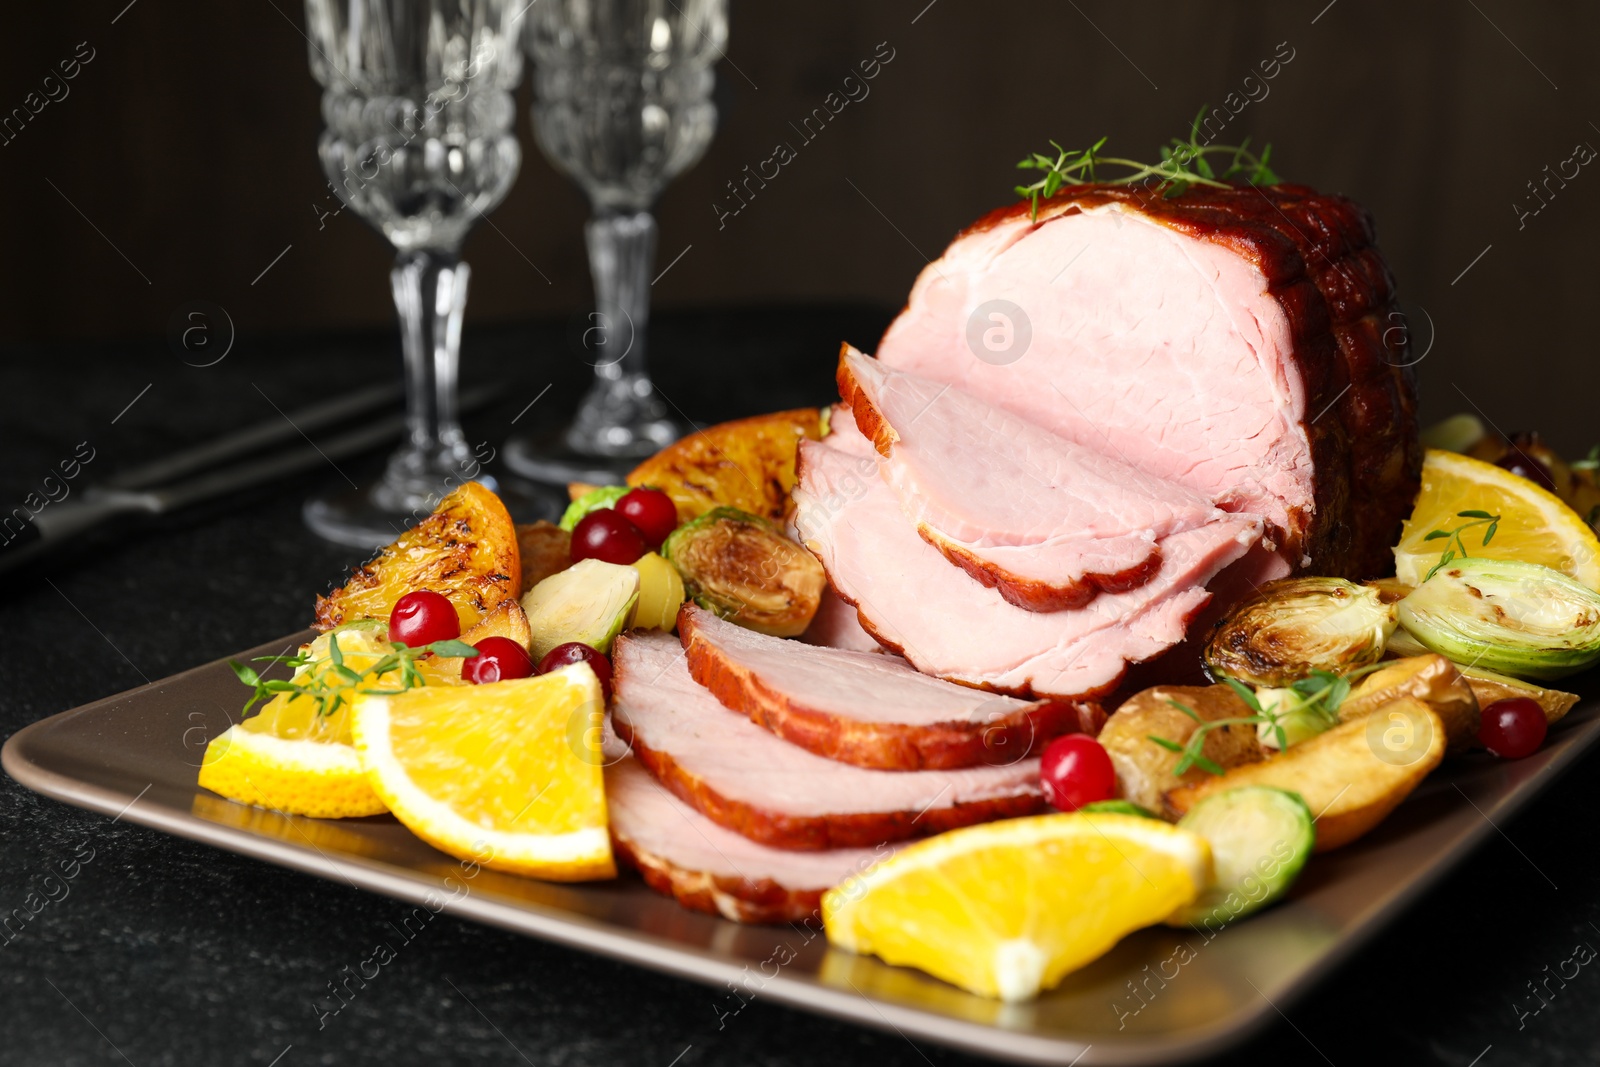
1520, 619
1294, 626
742, 568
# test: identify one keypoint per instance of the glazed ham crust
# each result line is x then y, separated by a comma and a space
1317, 253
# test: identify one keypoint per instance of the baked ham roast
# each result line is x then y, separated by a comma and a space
1236, 341
1227, 349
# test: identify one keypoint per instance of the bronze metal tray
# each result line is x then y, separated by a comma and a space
1162, 996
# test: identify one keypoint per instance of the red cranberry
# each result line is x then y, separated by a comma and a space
607, 536
1075, 771
423, 617
499, 659
578, 652
652, 511
1513, 728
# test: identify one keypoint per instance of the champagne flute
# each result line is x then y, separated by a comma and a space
418, 113
622, 103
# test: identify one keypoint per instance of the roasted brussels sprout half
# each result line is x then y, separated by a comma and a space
1294, 626
739, 566
1516, 618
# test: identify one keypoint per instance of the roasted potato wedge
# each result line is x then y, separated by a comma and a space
746, 464
1433, 680
466, 550
1351, 776
1144, 768
545, 548
1488, 687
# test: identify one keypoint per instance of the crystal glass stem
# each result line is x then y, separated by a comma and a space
622, 415
430, 296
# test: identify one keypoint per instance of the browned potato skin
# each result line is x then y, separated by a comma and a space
1489, 687
1431, 679
1337, 773
1144, 768
545, 548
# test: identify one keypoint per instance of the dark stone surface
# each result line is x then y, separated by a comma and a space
168, 952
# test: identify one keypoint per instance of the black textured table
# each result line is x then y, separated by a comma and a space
161, 951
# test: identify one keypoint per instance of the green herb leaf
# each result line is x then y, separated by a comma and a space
1170, 746
1187, 710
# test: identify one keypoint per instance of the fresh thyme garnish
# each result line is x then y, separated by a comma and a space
1319, 695
1589, 462
1456, 547
1183, 163
329, 687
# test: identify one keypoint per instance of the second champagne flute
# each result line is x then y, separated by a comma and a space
622, 103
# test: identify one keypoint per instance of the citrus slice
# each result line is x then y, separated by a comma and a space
507, 774
1006, 909
295, 758
466, 551
1534, 527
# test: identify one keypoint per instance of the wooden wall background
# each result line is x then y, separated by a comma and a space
187, 142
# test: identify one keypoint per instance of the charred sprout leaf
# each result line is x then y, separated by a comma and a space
1296, 626
1184, 163
742, 568
1516, 618
590, 602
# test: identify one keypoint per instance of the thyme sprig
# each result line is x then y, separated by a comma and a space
330, 687
1319, 694
1456, 548
1184, 163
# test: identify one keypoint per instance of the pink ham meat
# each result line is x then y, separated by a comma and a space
835, 626
686, 856
1237, 341
946, 624
866, 708
744, 778
1045, 521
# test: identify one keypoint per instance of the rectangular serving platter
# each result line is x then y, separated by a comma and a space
1161, 996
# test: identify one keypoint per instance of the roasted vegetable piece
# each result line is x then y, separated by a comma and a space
1351, 776
1429, 678
545, 548
747, 464
660, 594
466, 550
1488, 687
739, 566
591, 601
1516, 618
1296, 625
1260, 838
1144, 768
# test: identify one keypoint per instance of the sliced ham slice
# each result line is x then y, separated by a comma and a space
947, 624
1045, 521
835, 626
866, 708
686, 856
744, 778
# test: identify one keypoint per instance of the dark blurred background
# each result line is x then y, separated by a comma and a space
182, 162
